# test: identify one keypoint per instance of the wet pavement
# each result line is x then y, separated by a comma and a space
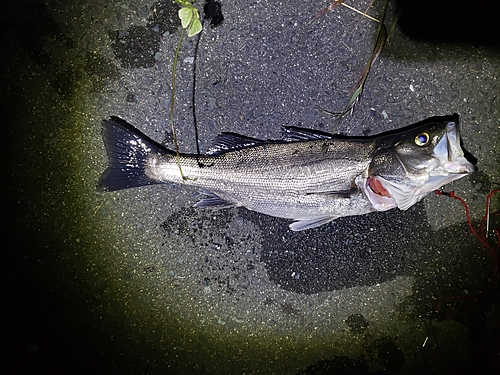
138, 281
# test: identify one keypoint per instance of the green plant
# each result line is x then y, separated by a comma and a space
380, 39
190, 17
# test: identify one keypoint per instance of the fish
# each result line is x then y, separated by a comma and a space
309, 176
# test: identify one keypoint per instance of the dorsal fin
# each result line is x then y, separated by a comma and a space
296, 134
226, 142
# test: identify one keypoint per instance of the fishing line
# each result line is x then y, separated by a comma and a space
429, 328
213, 11
193, 98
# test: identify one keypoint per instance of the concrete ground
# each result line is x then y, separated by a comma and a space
138, 281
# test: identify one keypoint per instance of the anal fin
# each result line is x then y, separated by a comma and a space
310, 223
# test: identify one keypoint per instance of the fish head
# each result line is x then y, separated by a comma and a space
409, 164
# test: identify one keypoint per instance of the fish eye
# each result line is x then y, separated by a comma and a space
422, 139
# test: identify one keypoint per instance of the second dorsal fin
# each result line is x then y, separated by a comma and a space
226, 142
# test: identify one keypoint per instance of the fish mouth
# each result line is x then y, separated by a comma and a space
450, 165
450, 154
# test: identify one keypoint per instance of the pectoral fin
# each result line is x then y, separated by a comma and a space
336, 193
213, 201
310, 223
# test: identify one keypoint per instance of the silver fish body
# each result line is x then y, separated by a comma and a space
310, 177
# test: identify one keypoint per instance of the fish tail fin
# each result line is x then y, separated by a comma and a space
128, 151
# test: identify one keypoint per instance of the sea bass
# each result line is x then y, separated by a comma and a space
309, 176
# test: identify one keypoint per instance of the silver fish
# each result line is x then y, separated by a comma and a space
310, 177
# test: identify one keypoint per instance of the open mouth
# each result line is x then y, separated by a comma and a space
451, 155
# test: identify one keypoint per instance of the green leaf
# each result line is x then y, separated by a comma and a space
186, 15
184, 3
190, 20
195, 26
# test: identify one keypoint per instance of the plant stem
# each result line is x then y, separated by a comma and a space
172, 100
